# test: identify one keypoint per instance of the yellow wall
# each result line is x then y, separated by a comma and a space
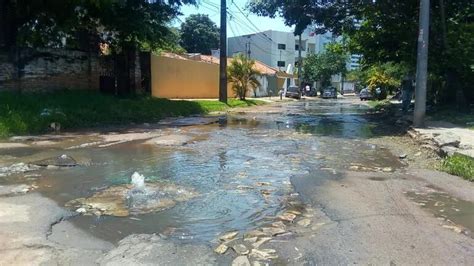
177, 78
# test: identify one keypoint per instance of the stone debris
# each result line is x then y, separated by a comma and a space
16, 189
402, 156
169, 140
387, 169
294, 212
60, 161
221, 249
260, 242
447, 140
17, 168
241, 249
304, 222
279, 224
228, 236
449, 150
123, 200
81, 210
244, 187
251, 239
261, 184
273, 231
241, 261
287, 216
254, 233
264, 254
456, 229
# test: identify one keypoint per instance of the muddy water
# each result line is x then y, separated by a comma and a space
452, 210
240, 168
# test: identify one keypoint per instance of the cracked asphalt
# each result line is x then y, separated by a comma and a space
358, 217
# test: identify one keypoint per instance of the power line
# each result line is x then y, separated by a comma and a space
259, 32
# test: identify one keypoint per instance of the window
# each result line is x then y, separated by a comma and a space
281, 63
282, 46
297, 47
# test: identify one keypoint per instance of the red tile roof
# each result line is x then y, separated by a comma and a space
261, 67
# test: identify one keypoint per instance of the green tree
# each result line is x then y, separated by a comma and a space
243, 75
387, 31
320, 67
199, 34
387, 77
121, 23
125, 25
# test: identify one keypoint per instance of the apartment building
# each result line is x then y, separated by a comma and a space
274, 48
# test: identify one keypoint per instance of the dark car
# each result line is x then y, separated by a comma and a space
293, 92
329, 93
365, 95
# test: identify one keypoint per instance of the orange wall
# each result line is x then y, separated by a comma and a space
184, 79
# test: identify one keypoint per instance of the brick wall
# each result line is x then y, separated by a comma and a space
48, 69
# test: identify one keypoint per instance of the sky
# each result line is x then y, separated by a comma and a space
237, 23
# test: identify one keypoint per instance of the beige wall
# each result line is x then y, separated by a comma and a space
177, 78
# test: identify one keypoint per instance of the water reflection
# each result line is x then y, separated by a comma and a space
223, 165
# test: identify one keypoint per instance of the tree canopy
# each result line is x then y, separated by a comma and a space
120, 23
320, 67
199, 34
386, 31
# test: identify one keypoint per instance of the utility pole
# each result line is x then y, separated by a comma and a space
300, 62
248, 51
422, 64
223, 54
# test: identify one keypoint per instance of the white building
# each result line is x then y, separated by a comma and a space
274, 48
280, 49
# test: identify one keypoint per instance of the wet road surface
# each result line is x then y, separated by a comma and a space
249, 167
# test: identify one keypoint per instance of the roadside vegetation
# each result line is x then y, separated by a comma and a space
462, 118
385, 38
243, 76
32, 113
378, 104
459, 165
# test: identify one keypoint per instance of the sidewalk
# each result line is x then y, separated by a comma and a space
445, 138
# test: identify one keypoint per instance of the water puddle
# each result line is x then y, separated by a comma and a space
459, 214
235, 172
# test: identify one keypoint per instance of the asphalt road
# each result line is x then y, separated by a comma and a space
357, 217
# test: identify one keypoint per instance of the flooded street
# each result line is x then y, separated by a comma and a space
239, 172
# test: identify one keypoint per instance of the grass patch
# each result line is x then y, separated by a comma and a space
459, 165
212, 106
449, 114
376, 104
31, 113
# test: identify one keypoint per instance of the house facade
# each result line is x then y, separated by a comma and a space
196, 76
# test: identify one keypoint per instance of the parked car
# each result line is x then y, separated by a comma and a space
293, 92
365, 95
329, 93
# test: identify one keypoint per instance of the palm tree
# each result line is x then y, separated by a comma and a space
242, 75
